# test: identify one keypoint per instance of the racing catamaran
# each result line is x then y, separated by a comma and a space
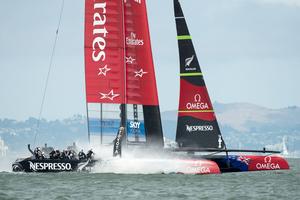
121, 90
122, 100
121, 93
197, 126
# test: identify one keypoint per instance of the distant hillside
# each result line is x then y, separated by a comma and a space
243, 126
245, 117
58, 133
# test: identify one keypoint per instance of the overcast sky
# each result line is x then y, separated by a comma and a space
249, 51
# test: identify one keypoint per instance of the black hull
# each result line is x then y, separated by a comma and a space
52, 165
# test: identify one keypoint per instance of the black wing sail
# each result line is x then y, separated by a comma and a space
197, 126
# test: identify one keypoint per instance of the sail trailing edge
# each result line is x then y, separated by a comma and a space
141, 86
197, 125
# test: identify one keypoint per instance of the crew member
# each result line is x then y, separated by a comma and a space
81, 155
71, 154
57, 154
64, 154
90, 154
38, 153
52, 154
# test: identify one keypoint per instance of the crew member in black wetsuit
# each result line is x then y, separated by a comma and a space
90, 154
63, 154
81, 155
72, 154
57, 154
38, 154
52, 154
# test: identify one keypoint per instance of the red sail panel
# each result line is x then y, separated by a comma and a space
194, 101
140, 75
104, 51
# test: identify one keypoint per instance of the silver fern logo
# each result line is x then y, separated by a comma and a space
188, 61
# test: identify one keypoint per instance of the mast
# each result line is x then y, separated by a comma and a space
197, 125
123, 106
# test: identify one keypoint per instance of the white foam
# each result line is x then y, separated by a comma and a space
134, 162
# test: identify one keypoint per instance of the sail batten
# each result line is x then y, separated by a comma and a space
191, 74
184, 37
195, 111
197, 126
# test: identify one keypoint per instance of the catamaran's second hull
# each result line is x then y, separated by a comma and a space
128, 165
199, 167
244, 163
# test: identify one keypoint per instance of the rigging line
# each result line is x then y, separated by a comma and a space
49, 71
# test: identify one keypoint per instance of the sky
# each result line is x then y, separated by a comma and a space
249, 51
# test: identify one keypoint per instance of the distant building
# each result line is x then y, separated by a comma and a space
3, 148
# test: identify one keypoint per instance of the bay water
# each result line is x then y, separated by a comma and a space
84, 185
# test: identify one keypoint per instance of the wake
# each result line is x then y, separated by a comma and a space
137, 162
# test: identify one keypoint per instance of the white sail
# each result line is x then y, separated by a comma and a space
284, 146
3, 148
